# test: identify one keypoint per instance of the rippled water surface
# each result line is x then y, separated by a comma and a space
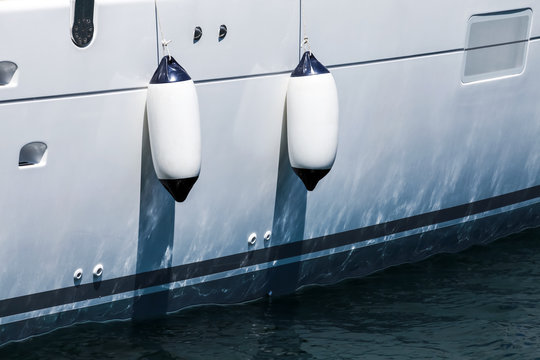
481, 304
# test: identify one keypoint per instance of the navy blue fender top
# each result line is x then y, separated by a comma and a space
169, 71
309, 65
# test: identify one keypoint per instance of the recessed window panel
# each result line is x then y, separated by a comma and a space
497, 45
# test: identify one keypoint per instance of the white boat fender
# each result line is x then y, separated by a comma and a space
174, 128
312, 120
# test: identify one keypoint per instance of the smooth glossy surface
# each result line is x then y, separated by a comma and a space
349, 31
36, 35
84, 203
262, 36
482, 303
312, 121
175, 130
405, 155
413, 140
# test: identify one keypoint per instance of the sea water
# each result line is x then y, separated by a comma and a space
483, 303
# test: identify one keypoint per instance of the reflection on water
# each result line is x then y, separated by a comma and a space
482, 303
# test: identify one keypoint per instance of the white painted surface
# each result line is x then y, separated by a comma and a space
312, 121
263, 36
348, 31
249, 269
82, 207
174, 129
235, 193
36, 35
414, 139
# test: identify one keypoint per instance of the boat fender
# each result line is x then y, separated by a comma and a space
174, 128
312, 120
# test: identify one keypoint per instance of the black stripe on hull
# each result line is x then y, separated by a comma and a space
144, 280
287, 278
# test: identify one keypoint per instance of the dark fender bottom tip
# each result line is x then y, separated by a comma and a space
309, 177
179, 188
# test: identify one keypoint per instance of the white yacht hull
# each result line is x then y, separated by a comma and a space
434, 155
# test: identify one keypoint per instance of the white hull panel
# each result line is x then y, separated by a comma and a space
426, 162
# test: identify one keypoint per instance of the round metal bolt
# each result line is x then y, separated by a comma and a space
77, 275
98, 270
252, 239
267, 235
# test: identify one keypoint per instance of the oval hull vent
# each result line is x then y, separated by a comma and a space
33, 154
7, 70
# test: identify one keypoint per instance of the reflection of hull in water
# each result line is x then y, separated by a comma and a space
430, 158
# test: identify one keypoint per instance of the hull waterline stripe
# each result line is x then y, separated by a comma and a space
21, 317
48, 299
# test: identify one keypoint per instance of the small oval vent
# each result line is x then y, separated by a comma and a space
7, 70
32, 154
